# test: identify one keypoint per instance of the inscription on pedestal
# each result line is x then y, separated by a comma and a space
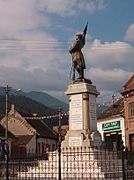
76, 112
74, 141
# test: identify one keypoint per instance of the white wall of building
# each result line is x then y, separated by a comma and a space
46, 142
31, 146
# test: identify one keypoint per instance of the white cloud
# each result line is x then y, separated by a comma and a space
17, 16
38, 79
109, 64
110, 79
129, 36
110, 55
32, 50
71, 7
57, 6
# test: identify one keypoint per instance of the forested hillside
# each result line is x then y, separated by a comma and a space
25, 106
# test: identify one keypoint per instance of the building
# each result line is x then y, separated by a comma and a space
45, 137
23, 146
33, 136
128, 94
110, 123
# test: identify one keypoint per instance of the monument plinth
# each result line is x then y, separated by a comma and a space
82, 115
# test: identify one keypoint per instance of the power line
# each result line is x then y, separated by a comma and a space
61, 44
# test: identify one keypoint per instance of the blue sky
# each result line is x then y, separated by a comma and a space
35, 36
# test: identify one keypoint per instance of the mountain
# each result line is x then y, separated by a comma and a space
47, 100
40, 97
26, 106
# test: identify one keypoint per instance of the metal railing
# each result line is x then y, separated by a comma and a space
83, 163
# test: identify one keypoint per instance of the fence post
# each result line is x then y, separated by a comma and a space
7, 161
123, 160
59, 145
59, 155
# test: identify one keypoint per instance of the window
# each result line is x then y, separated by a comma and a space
131, 109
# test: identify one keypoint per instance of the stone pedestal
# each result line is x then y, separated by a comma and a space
82, 116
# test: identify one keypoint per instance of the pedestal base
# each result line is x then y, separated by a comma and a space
82, 115
82, 138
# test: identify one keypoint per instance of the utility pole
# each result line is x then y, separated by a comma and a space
6, 124
7, 89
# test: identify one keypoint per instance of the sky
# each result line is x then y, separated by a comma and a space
35, 36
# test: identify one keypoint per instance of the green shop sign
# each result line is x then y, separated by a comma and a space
111, 126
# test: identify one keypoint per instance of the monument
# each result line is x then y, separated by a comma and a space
82, 102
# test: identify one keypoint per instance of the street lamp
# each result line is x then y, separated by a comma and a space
7, 90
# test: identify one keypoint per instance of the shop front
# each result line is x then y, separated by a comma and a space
112, 132
112, 135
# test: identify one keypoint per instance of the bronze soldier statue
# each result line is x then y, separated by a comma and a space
77, 55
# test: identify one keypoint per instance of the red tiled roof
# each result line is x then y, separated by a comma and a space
42, 129
129, 86
116, 109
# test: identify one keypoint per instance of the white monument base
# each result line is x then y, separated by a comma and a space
81, 138
82, 116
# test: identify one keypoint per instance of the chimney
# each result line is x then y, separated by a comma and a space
12, 109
